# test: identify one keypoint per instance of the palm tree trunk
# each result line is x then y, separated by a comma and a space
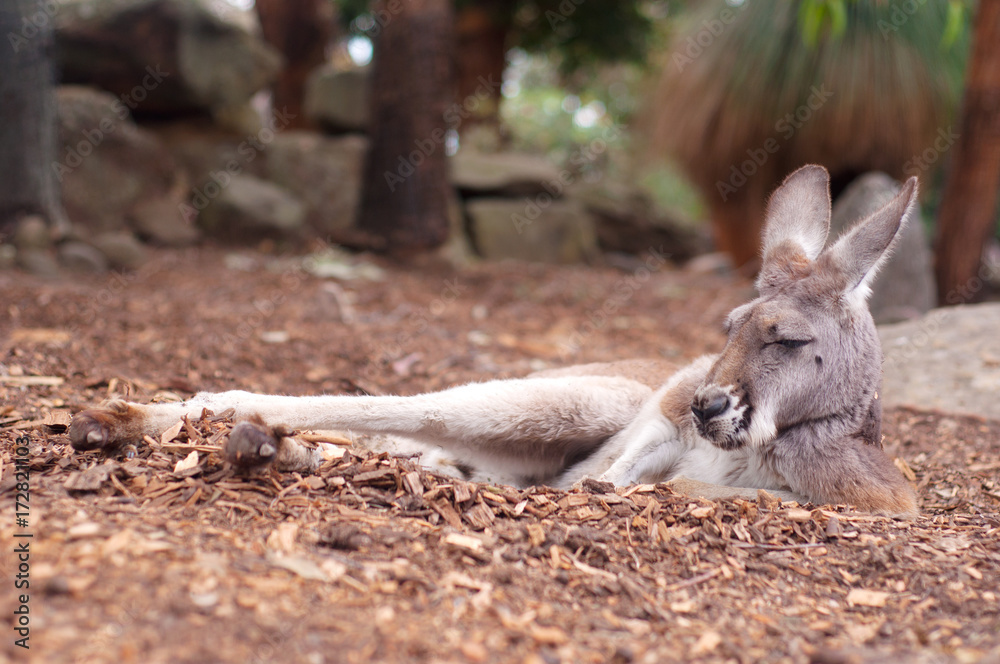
969, 203
404, 202
300, 30
27, 117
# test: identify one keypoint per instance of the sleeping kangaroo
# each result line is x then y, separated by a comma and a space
790, 404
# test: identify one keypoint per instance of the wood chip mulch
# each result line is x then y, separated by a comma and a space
162, 553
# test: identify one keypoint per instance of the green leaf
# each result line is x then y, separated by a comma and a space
838, 16
811, 21
953, 23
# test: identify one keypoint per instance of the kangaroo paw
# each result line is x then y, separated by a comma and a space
112, 424
252, 445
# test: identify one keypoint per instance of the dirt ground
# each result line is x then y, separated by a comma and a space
167, 556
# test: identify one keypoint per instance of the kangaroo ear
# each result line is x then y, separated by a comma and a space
860, 252
799, 214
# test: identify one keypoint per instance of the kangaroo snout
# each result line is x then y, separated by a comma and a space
707, 406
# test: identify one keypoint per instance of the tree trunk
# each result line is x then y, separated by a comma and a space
481, 57
300, 30
405, 193
969, 202
27, 116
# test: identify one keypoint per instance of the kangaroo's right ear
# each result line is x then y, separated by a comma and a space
799, 213
860, 252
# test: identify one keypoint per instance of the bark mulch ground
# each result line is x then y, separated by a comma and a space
163, 554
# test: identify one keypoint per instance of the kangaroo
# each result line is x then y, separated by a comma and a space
790, 404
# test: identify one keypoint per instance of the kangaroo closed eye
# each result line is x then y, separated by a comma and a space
793, 343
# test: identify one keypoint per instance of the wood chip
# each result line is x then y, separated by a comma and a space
905, 469
92, 478
863, 597
32, 381
479, 516
798, 515
536, 534
548, 635
171, 433
448, 513
413, 484
706, 643
704, 512
462, 492
467, 542
39, 335
187, 463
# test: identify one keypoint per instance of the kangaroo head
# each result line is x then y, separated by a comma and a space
806, 350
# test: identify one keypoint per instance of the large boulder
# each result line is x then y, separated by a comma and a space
947, 360
337, 99
323, 172
476, 173
905, 286
247, 209
201, 148
162, 57
111, 171
629, 222
532, 229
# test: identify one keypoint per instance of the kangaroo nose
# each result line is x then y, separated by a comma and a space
717, 405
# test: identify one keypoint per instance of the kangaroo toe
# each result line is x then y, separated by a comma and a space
251, 445
112, 424
87, 431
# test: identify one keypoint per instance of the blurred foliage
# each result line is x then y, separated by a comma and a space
579, 71
576, 34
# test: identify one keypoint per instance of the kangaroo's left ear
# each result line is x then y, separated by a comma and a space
860, 252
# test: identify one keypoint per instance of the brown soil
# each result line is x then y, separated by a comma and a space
373, 560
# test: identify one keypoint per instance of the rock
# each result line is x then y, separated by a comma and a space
81, 258
457, 251
323, 172
122, 250
38, 262
201, 149
717, 262
337, 99
160, 221
32, 233
105, 164
628, 222
561, 232
8, 256
905, 286
948, 360
506, 174
250, 209
162, 57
